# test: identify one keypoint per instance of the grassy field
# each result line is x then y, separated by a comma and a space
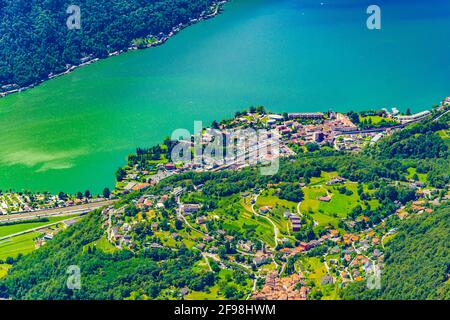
375, 119
269, 199
4, 269
247, 223
445, 135
412, 172
279, 206
234, 212
166, 238
200, 266
102, 244
16, 228
337, 208
314, 269
21, 244
190, 237
225, 277
324, 177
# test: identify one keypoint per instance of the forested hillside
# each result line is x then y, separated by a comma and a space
104, 275
35, 40
417, 262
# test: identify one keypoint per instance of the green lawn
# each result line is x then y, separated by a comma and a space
16, 228
225, 277
247, 223
102, 244
324, 177
376, 119
445, 135
339, 206
412, 172
200, 266
279, 206
269, 199
213, 294
315, 270
190, 236
21, 244
166, 238
4, 269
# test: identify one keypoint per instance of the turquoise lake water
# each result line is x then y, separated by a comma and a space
73, 132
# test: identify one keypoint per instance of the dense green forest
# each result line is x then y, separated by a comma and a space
35, 40
417, 264
419, 141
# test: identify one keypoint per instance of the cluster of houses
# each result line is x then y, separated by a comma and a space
117, 230
354, 255
246, 150
282, 288
317, 129
161, 37
445, 102
334, 129
355, 142
424, 205
21, 202
358, 255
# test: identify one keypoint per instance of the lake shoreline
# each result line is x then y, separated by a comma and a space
72, 133
215, 10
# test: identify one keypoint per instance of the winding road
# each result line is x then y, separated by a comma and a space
275, 228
